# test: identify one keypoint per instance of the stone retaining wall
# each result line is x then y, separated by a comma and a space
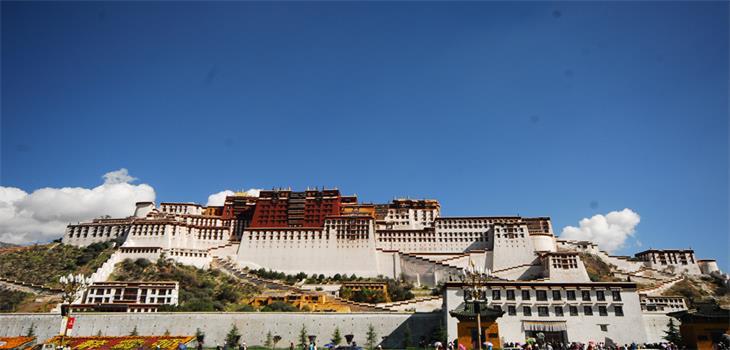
252, 325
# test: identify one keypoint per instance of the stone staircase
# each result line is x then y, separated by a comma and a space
658, 289
452, 269
231, 268
28, 287
412, 302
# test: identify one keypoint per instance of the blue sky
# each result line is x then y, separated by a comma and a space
561, 109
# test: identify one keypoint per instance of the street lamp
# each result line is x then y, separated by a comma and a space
71, 286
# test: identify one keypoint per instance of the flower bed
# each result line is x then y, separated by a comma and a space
14, 342
125, 342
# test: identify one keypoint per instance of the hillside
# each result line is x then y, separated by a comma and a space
45, 264
200, 290
700, 288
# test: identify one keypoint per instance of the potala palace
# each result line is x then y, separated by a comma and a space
538, 283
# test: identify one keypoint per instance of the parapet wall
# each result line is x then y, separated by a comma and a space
253, 326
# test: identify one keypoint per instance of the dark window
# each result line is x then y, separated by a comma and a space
586, 295
602, 310
616, 295
525, 295
600, 295
541, 295
496, 295
588, 311
542, 311
558, 311
527, 311
570, 295
511, 310
604, 327
618, 310
497, 307
573, 310
510, 294
556, 295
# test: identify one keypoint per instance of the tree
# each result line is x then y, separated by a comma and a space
336, 337
269, 340
98, 334
167, 332
233, 336
302, 337
439, 334
276, 339
31, 330
407, 335
134, 331
199, 335
372, 337
672, 333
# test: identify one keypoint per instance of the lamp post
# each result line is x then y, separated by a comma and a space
476, 292
71, 286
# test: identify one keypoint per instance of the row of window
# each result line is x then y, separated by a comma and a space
544, 311
542, 295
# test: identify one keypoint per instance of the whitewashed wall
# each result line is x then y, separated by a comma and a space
253, 326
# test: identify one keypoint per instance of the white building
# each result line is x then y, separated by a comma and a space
564, 312
671, 260
122, 296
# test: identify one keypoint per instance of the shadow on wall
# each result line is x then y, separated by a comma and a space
409, 333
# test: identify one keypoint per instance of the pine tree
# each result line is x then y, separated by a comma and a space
98, 334
407, 336
372, 337
336, 337
31, 330
672, 333
302, 337
233, 336
134, 331
167, 332
269, 340
439, 334
199, 335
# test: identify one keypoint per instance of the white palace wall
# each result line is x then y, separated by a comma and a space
309, 250
253, 326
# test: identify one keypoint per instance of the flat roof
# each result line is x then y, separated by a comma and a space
548, 284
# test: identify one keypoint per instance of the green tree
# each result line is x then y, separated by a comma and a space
672, 333
31, 330
233, 336
302, 337
98, 334
276, 339
372, 337
167, 332
439, 334
269, 340
199, 335
336, 337
407, 335
134, 331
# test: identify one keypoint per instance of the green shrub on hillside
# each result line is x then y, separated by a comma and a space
45, 264
10, 300
200, 290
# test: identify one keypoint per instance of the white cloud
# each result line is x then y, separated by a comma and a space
609, 232
43, 214
118, 177
217, 199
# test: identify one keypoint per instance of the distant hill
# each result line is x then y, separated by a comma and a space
7, 245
